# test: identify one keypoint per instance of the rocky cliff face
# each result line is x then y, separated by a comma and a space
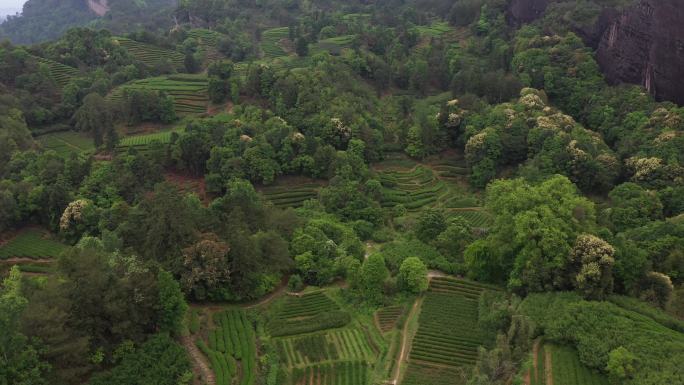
99, 7
525, 11
645, 45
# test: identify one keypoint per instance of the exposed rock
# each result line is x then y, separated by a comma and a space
99, 7
526, 11
645, 45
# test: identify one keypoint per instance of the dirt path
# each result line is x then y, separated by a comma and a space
280, 290
199, 362
217, 306
15, 260
548, 369
403, 355
533, 372
436, 273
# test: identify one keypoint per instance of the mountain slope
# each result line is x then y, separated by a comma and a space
43, 20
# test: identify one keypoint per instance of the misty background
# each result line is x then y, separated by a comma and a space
10, 7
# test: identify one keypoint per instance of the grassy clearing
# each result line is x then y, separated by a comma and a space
189, 92
66, 142
32, 243
150, 55
270, 42
232, 342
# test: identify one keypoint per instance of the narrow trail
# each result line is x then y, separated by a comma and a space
548, 369
15, 260
533, 373
199, 362
436, 273
280, 290
403, 355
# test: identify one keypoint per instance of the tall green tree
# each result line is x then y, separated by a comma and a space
19, 360
95, 117
171, 302
534, 232
413, 275
373, 276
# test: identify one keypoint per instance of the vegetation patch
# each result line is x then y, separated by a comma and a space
61, 73
291, 196
414, 188
345, 344
66, 142
150, 55
307, 313
232, 342
476, 216
433, 30
332, 373
566, 368
334, 45
270, 41
448, 334
32, 243
189, 92
388, 316
208, 41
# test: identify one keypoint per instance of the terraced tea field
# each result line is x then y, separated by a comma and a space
307, 313
332, 373
233, 341
270, 41
387, 317
334, 45
208, 40
291, 196
320, 349
60, 72
32, 243
566, 368
448, 336
66, 142
450, 168
142, 142
415, 188
476, 216
434, 30
341, 344
151, 55
189, 92
420, 374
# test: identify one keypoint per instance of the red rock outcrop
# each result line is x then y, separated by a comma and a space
644, 45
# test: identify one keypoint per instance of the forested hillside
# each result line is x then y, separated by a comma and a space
341, 193
43, 20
